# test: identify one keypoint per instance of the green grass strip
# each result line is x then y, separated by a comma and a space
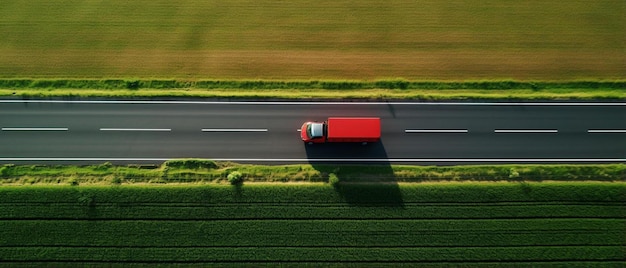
204, 171
324, 89
448, 192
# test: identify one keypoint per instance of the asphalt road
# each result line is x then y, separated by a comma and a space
420, 133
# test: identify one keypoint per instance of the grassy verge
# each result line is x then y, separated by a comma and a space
206, 171
326, 89
435, 224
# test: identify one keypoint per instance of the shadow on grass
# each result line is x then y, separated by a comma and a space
88, 202
363, 180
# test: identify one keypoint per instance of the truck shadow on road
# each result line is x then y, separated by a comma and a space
364, 176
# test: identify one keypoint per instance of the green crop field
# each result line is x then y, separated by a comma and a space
460, 224
298, 39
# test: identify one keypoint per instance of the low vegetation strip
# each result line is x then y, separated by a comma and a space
304, 84
557, 223
205, 171
323, 194
322, 89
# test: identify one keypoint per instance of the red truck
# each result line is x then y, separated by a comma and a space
342, 129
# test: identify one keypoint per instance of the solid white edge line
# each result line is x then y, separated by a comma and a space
436, 131
35, 129
327, 103
606, 131
526, 131
234, 130
136, 129
329, 159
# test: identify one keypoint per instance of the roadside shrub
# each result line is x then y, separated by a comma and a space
134, 84
235, 178
4, 171
333, 179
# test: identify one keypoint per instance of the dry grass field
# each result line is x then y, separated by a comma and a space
298, 39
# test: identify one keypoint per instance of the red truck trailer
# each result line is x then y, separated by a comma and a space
342, 129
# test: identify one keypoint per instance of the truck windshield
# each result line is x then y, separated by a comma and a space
314, 130
308, 131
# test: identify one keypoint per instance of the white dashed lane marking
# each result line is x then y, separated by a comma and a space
137, 129
234, 130
35, 129
606, 131
526, 131
436, 131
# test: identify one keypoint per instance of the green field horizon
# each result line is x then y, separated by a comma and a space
363, 40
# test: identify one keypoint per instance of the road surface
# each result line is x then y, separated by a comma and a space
39, 131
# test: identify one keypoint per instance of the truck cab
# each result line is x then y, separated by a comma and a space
313, 132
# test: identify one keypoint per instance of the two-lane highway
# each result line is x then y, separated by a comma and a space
37, 131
